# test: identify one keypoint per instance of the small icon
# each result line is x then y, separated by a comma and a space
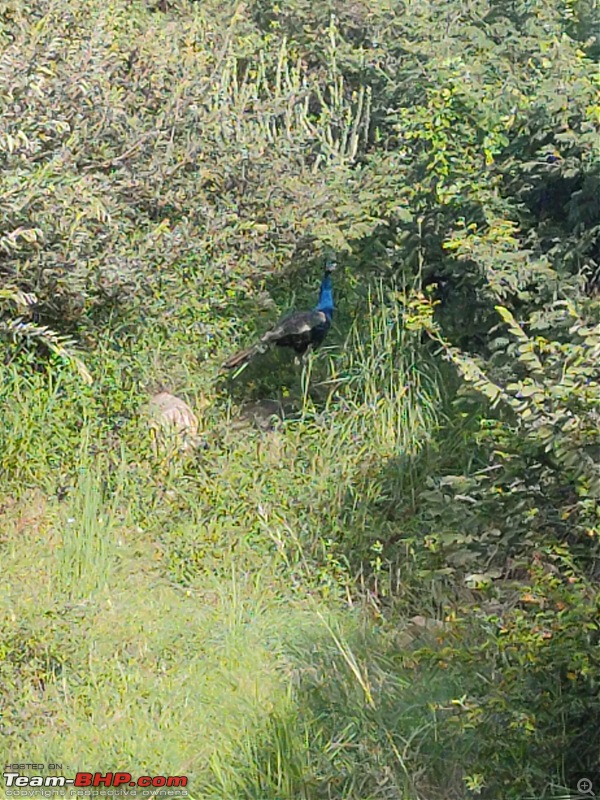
584, 786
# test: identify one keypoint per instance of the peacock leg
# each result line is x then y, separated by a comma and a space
307, 353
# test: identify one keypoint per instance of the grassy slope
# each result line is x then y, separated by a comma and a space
111, 664
193, 617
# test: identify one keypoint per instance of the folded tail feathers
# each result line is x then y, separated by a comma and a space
242, 357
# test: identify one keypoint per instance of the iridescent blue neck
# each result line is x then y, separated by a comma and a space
325, 303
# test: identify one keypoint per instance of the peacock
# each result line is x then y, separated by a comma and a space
300, 330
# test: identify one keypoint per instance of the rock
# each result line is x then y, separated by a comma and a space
173, 424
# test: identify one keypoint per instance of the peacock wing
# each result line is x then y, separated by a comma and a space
298, 323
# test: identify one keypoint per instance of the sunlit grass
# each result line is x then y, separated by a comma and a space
202, 681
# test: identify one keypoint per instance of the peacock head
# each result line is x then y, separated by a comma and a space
330, 265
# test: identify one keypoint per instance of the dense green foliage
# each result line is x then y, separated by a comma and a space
393, 592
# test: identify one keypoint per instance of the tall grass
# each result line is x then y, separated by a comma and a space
391, 389
41, 414
87, 551
330, 738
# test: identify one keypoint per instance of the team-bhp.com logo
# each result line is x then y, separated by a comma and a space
109, 784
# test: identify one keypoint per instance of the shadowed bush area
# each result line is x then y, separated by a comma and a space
376, 575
